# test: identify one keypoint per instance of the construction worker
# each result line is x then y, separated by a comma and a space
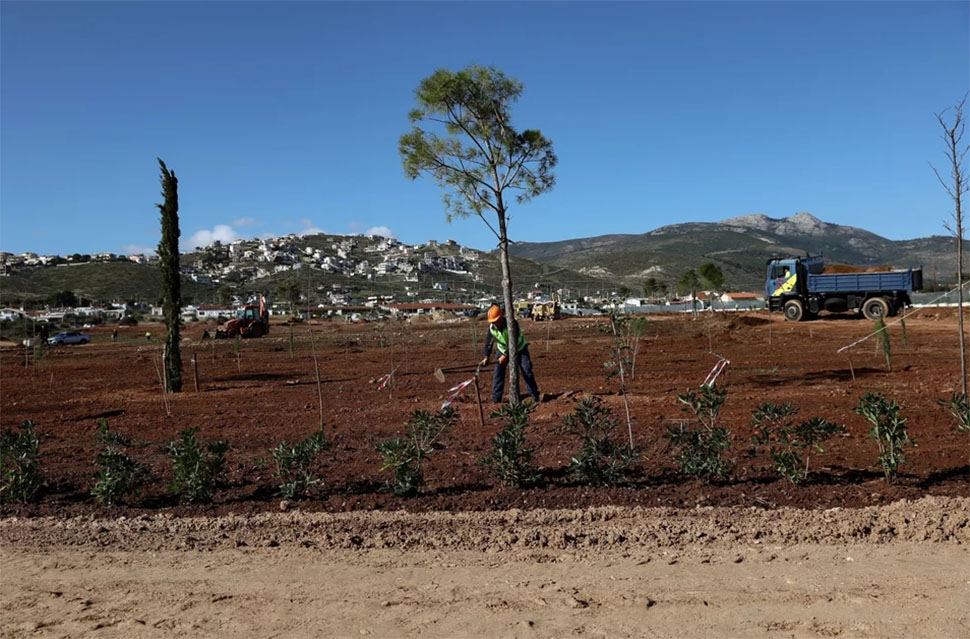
498, 333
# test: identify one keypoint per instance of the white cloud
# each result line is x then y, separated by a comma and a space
221, 232
245, 221
134, 249
383, 231
309, 228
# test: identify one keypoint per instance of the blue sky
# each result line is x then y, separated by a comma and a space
284, 117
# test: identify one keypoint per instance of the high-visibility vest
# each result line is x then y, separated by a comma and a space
502, 340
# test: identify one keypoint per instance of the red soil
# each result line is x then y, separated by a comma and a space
266, 396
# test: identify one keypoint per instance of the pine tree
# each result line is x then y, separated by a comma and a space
463, 138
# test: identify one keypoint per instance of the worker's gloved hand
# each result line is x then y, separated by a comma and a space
502, 359
484, 362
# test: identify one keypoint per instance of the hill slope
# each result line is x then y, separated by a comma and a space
740, 247
123, 281
92, 281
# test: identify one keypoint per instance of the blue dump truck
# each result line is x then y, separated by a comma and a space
802, 287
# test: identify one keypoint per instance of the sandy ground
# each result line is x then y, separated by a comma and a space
891, 571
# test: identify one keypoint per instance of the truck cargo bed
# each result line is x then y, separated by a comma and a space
908, 280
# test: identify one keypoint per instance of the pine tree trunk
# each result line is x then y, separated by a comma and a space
168, 253
513, 325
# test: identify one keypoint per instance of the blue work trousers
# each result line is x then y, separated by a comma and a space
525, 367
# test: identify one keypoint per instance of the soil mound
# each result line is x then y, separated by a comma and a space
930, 519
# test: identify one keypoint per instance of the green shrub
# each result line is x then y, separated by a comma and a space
888, 429
20, 476
701, 445
196, 467
404, 455
775, 427
960, 408
510, 460
118, 474
295, 464
601, 460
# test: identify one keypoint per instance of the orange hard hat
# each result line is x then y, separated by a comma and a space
494, 313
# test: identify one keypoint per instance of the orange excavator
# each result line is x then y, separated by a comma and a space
251, 321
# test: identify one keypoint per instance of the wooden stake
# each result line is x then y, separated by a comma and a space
195, 372
161, 380
478, 395
319, 392
316, 366
851, 369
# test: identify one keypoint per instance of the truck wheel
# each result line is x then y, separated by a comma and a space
794, 310
875, 308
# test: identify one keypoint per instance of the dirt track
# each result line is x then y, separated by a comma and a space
899, 570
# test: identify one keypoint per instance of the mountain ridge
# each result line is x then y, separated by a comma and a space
739, 246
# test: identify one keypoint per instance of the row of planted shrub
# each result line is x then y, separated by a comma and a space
197, 466
698, 445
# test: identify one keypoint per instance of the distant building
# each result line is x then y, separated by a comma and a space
10, 314
742, 297
215, 311
423, 308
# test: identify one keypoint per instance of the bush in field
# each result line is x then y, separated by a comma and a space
295, 464
601, 459
888, 429
196, 467
510, 460
20, 477
700, 447
118, 474
960, 408
775, 428
405, 455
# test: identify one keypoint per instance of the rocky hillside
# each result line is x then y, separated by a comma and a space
740, 246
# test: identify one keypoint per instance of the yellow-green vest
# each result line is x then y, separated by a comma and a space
502, 340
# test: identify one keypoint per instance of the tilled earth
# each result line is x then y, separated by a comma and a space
261, 395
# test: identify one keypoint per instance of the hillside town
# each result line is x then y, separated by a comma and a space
362, 256
433, 277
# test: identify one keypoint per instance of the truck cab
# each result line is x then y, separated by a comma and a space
781, 277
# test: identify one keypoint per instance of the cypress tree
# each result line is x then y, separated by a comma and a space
168, 253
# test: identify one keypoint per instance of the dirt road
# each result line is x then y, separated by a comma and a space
897, 570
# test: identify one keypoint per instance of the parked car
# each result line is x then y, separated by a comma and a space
69, 337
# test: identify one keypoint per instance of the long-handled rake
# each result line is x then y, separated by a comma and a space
439, 374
